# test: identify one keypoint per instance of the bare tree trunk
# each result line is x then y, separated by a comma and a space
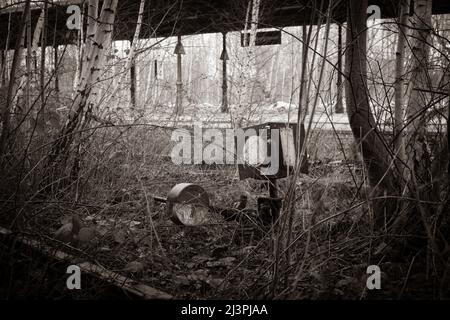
131, 56
133, 85
399, 112
339, 108
359, 113
3, 69
29, 59
90, 33
43, 47
32, 45
416, 149
79, 58
93, 7
95, 59
6, 117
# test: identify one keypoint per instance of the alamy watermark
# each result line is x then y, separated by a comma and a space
373, 13
74, 280
73, 22
258, 148
374, 278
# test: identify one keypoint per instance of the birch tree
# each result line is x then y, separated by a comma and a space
94, 60
399, 82
416, 148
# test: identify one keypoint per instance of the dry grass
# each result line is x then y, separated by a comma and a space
331, 244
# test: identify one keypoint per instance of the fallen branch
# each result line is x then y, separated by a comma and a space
137, 290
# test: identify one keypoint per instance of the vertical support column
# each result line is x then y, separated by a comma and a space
179, 50
340, 88
224, 58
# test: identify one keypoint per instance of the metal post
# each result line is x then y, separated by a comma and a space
179, 102
224, 58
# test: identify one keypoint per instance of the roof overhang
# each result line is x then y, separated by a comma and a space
164, 18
